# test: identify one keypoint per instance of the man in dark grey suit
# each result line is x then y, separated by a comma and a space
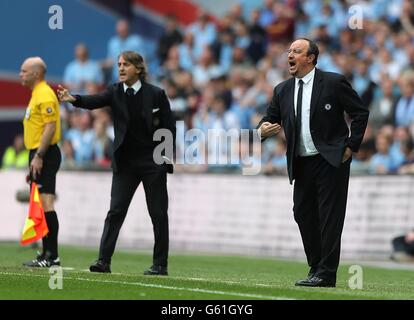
310, 107
138, 109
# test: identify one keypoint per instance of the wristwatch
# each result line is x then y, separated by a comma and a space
39, 154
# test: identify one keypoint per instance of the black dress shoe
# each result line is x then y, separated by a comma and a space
316, 282
312, 272
100, 266
156, 271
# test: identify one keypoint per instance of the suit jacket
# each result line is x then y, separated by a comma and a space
332, 95
156, 111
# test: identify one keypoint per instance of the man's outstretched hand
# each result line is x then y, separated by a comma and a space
64, 95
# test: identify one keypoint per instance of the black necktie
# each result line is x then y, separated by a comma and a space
298, 116
130, 92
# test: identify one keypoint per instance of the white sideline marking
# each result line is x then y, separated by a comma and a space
362, 293
192, 279
148, 285
264, 285
171, 277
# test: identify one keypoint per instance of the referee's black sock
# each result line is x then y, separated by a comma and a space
45, 244
51, 240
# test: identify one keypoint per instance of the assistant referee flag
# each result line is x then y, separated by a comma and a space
35, 227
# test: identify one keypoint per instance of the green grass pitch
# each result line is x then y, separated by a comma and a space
191, 276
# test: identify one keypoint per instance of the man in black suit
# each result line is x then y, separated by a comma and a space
310, 107
138, 109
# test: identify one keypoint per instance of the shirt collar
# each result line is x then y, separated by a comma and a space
136, 86
307, 78
40, 84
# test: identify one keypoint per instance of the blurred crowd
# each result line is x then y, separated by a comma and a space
219, 73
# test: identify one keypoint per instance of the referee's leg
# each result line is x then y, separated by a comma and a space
47, 190
51, 239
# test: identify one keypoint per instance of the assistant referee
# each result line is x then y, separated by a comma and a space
41, 135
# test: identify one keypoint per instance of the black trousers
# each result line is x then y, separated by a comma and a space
400, 245
124, 185
320, 196
51, 164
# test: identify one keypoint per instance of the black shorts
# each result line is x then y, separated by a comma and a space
51, 163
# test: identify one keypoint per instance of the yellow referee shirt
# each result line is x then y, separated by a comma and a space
43, 108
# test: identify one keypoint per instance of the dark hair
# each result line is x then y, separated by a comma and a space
408, 145
137, 60
313, 49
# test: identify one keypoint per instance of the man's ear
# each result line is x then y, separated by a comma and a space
310, 57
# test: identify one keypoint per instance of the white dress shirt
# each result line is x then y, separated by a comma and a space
136, 86
306, 145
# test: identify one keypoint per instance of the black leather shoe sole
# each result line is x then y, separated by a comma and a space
155, 273
95, 268
320, 284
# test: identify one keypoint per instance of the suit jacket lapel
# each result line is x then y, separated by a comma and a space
147, 102
123, 105
316, 90
291, 102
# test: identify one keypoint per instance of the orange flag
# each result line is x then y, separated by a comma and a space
35, 227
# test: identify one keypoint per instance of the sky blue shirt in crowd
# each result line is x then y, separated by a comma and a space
404, 112
266, 17
379, 159
326, 63
279, 161
397, 156
78, 74
202, 37
83, 144
186, 57
226, 54
117, 45
360, 83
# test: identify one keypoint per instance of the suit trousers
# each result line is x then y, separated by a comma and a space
320, 196
124, 185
